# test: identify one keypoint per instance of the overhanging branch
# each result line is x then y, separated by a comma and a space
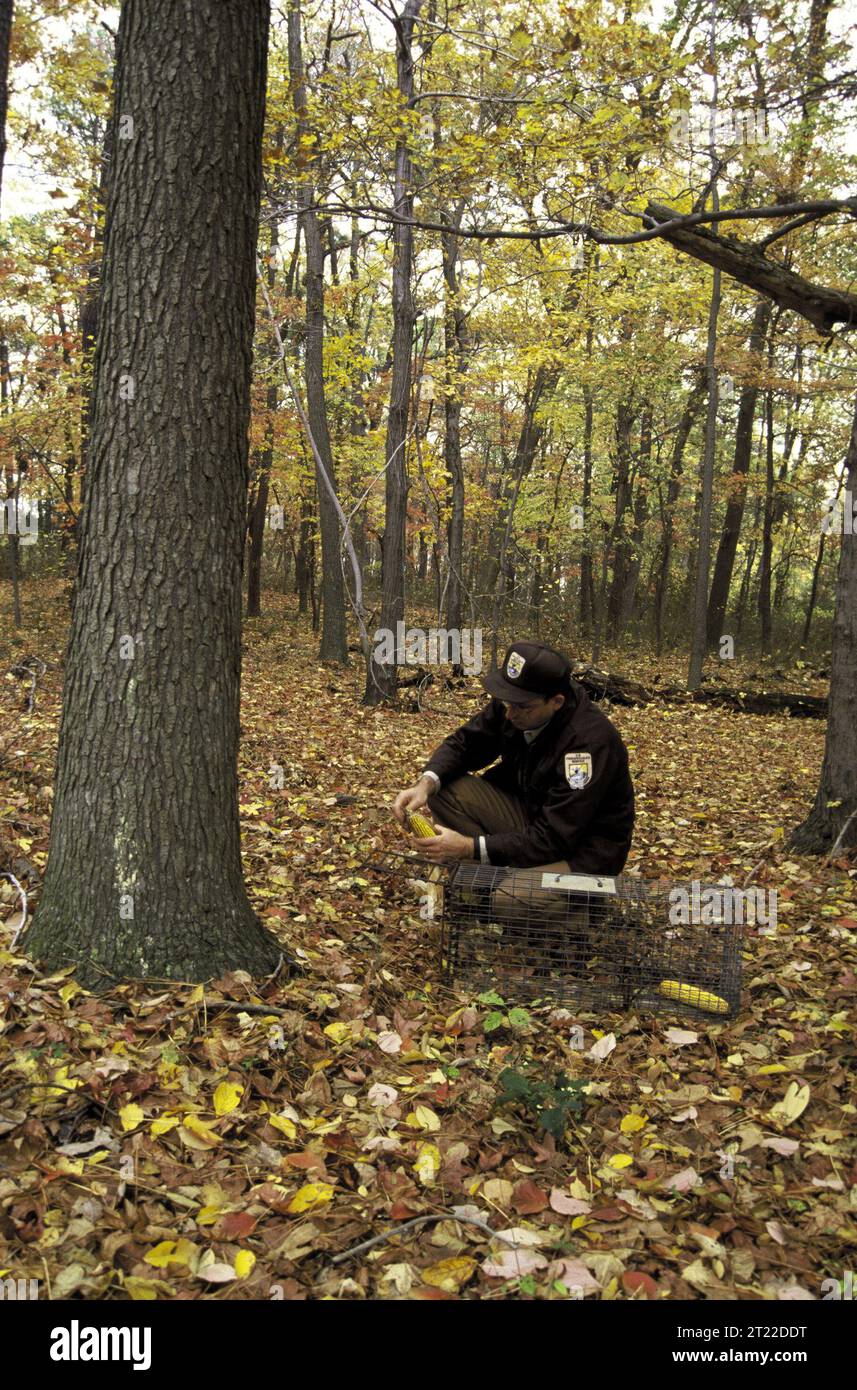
821, 306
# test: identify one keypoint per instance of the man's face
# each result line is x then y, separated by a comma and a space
534, 713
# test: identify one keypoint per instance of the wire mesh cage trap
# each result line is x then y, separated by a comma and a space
594, 941
589, 940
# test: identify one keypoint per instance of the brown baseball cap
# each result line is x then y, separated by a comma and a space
529, 671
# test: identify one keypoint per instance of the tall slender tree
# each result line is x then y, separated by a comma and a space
6, 13
334, 640
832, 820
381, 677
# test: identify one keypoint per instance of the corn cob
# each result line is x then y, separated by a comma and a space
691, 994
420, 826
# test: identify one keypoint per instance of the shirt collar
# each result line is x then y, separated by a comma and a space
530, 734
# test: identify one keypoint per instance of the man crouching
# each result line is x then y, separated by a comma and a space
560, 800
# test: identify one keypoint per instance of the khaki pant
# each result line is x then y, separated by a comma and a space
473, 806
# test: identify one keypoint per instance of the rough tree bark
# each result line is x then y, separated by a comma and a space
144, 875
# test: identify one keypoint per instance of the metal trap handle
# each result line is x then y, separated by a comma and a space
580, 883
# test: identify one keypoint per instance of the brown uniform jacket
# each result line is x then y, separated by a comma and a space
573, 779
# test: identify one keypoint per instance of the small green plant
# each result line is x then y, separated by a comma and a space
515, 1018
552, 1103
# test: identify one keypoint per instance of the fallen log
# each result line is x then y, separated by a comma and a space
620, 690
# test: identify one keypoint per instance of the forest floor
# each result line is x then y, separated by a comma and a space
168, 1141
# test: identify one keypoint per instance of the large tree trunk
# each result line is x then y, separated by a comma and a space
381, 676
833, 817
144, 876
334, 640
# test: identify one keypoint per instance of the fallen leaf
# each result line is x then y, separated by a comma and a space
131, 1116
529, 1198
382, 1095
310, 1196
449, 1274
792, 1105
227, 1097
602, 1048
513, 1264
568, 1206
428, 1163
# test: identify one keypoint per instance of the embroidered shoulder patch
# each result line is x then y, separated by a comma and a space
578, 770
515, 665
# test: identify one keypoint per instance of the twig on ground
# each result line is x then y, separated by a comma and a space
840, 837
421, 1221
23, 922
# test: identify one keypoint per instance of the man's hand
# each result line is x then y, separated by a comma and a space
413, 798
445, 845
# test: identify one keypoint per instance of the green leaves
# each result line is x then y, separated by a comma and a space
552, 1103
515, 1018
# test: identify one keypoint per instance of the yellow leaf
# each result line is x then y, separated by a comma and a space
244, 1262
771, 1068
283, 1124
792, 1105
449, 1275
196, 995
144, 1289
427, 1165
61, 1077
312, 1195
423, 1118
620, 1161
72, 1166
201, 1129
209, 1215
163, 1125
632, 1123
339, 1032
69, 991
131, 1116
226, 1097
170, 1252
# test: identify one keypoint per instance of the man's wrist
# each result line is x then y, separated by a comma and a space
430, 777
